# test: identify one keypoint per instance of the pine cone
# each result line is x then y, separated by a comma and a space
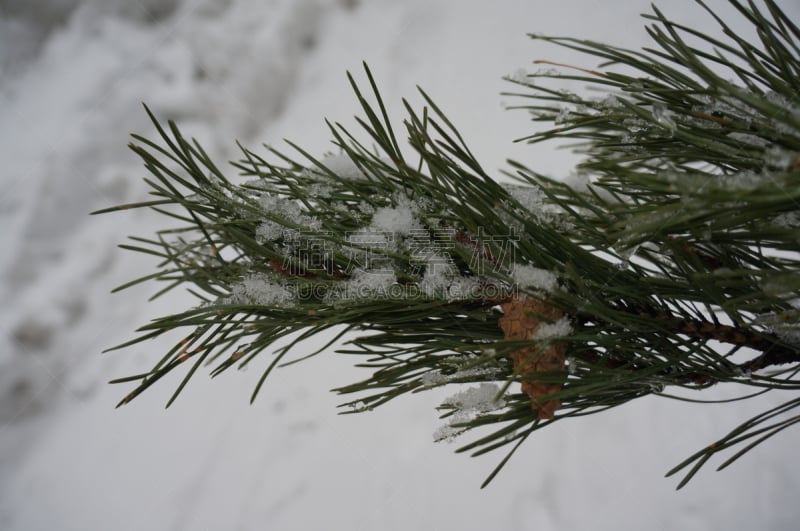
521, 321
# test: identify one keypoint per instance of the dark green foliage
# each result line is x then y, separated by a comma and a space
676, 258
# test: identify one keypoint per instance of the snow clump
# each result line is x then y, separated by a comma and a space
559, 328
527, 276
368, 283
260, 289
469, 404
343, 166
400, 219
285, 209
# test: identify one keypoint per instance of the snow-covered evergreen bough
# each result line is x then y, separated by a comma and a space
668, 265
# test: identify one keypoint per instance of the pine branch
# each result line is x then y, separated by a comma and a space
428, 272
774, 352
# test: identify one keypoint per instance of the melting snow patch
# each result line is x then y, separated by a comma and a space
663, 116
437, 377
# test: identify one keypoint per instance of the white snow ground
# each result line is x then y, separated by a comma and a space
73, 76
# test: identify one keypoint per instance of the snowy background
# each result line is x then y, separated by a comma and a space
73, 75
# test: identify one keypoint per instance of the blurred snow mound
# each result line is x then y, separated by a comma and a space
222, 68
